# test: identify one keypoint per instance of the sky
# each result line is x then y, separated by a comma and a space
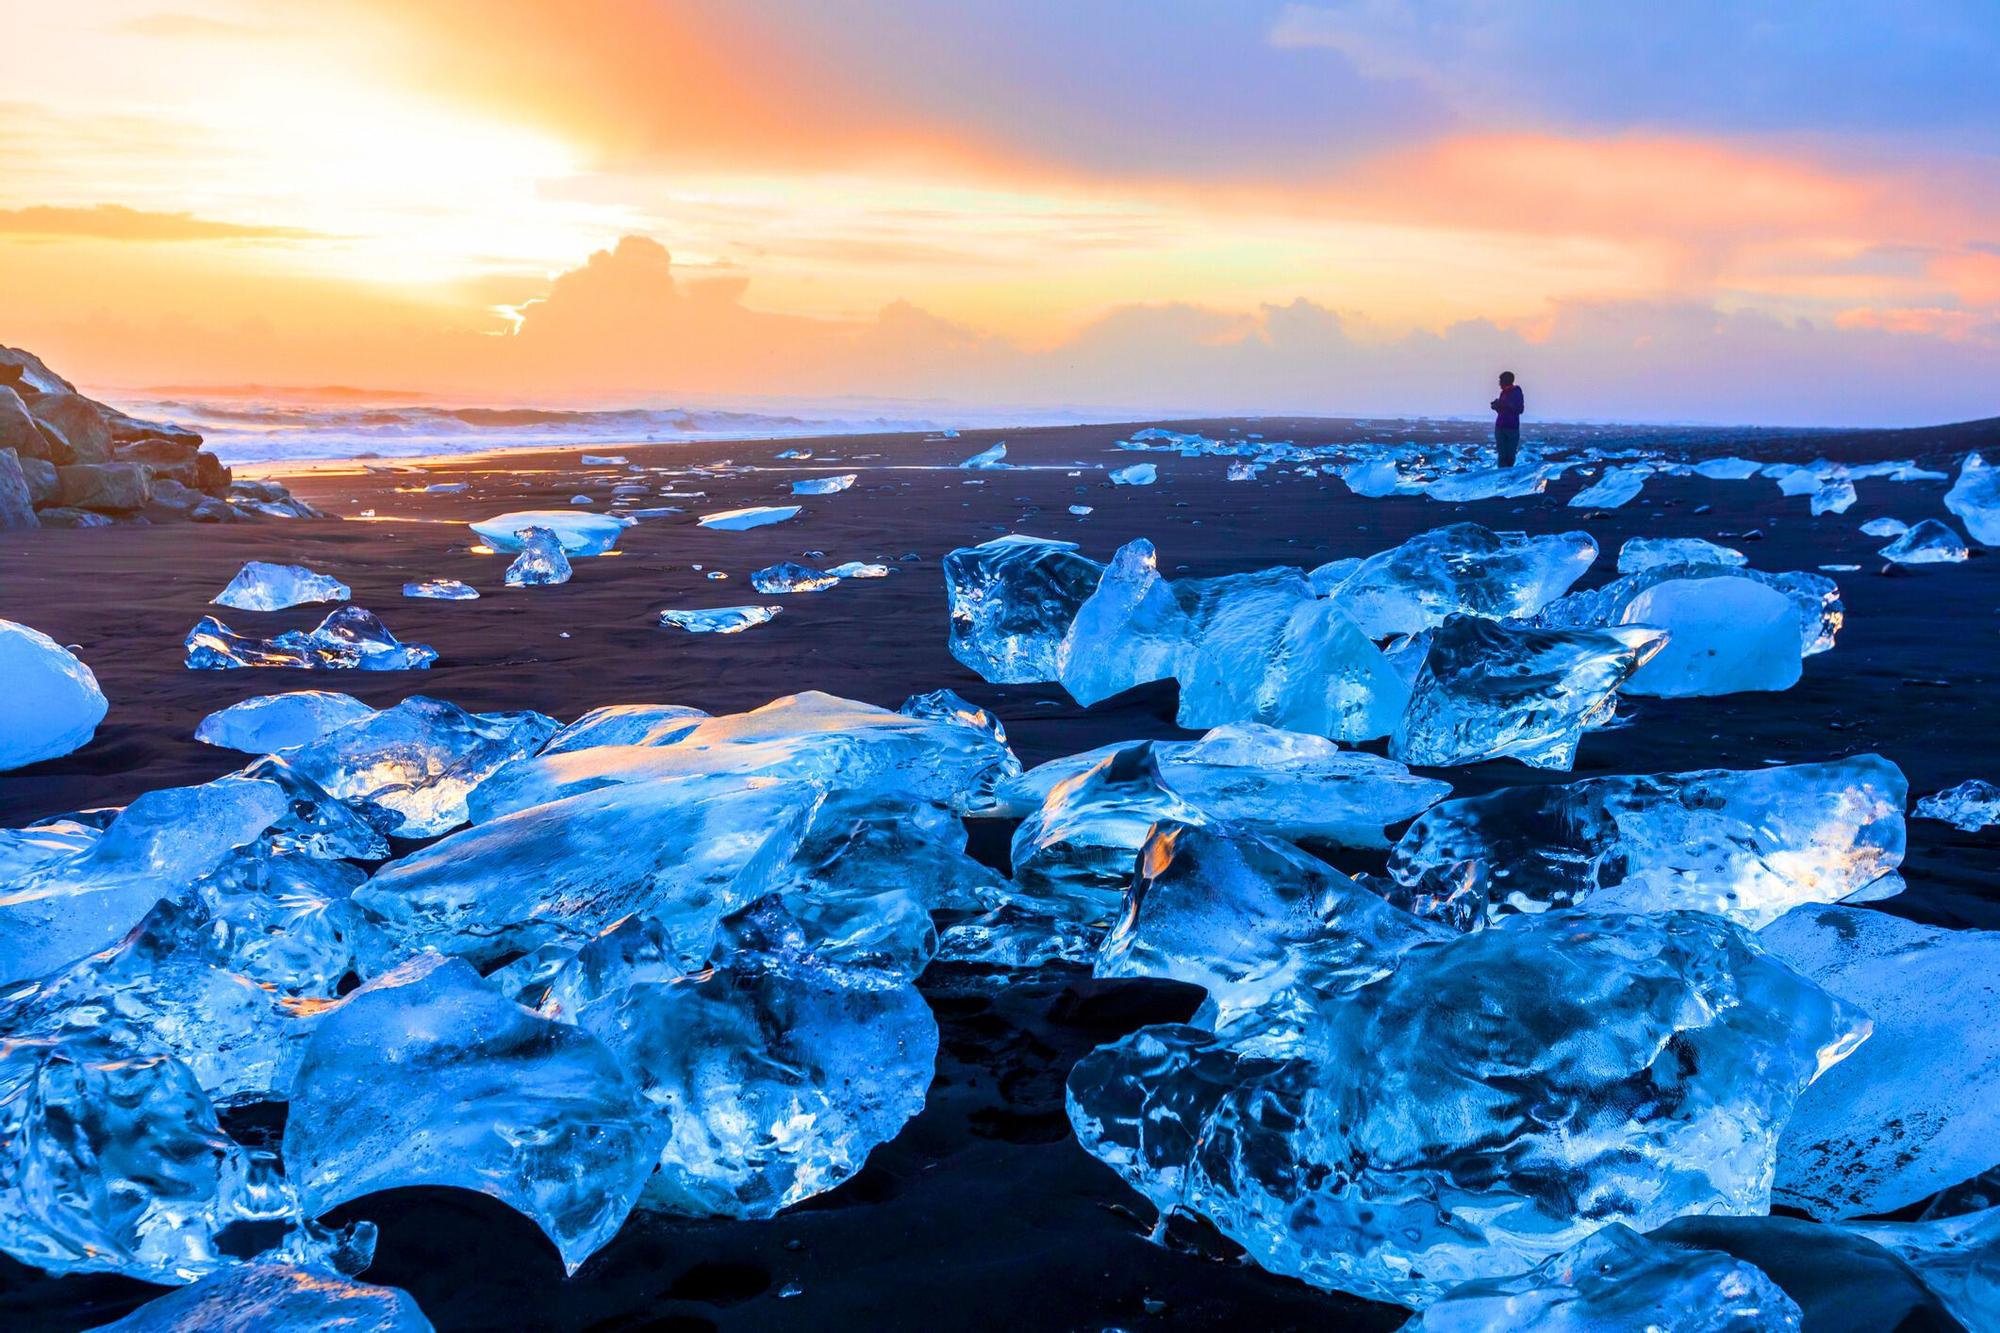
1722, 210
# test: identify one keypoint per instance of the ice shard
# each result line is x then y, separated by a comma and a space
1139, 474
992, 457
262, 586
1928, 543
1746, 845
1129, 631
825, 485
1724, 636
1975, 498
1817, 597
791, 576
1510, 483
317, 824
1618, 487
442, 590
268, 723
1491, 691
756, 516
1728, 469
1972, 805
272, 1297
721, 619
1640, 554
51, 704
856, 569
626, 724
541, 561
1460, 569
1012, 599
429, 1076
580, 534
1917, 1109
350, 639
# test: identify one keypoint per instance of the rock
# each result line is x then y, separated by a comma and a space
86, 436
107, 487
41, 475
211, 477
158, 449
62, 516
132, 430
29, 375
175, 499
17, 427
17, 502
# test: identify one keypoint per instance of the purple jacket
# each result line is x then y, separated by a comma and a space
1509, 405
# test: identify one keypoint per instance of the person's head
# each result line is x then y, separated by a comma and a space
1506, 379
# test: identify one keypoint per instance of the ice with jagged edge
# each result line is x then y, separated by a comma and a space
350, 639
859, 569
1817, 597
1834, 497
1884, 527
1618, 1281
52, 703
1975, 498
1928, 543
1139, 474
791, 576
276, 1297
1490, 1101
317, 825
1011, 601
1618, 487
1489, 691
742, 520
988, 459
428, 1075
825, 485
580, 534
442, 590
625, 724
1724, 636
1074, 856
720, 619
1640, 554
542, 561
1459, 569
1954, 1247
1749, 845
262, 586
1507, 483
1918, 1108
267, 723
1972, 805
413, 765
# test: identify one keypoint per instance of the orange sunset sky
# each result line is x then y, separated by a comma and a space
1362, 207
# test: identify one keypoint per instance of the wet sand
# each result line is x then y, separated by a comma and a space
983, 1213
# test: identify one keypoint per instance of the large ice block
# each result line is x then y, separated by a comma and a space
580, 533
1077, 852
262, 586
1817, 597
268, 1297
1724, 636
1975, 498
1012, 600
1460, 569
268, 723
350, 639
51, 704
1928, 543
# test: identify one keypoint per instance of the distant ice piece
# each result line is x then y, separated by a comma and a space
1975, 498
427, 1075
1459, 569
442, 590
1728, 469
1139, 474
50, 704
721, 619
825, 485
1725, 636
268, 1297
260, 586
1928, 543
1616, 488
580, 534
739, 520
1834, 497
541, 562
268, 723
1643, 553
1492, 483
791, 576
1972, 805
1618, 1281
1884, 527
1748, 845
1012, 599
994, 457
350, 639
1489, 691
1917, 1108
1082, 511
855, 569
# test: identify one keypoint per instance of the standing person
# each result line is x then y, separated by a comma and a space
1507, 419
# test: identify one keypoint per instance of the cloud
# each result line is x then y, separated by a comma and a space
115, 222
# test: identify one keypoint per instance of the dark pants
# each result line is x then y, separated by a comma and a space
1508, 441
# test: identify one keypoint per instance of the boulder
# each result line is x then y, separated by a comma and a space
17, 505
132, 430
173, 500
26, 372
17, 428
116, 488
42, 484
85, 433
156, 448
63, 517
212, 476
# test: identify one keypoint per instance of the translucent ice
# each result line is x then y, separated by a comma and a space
316, 824
268, 723
429, 1076
1493, 484
580, 534
1957, 1257
757, 516
1012, 600
1928, 543
51, 704
1077, 852
1490, 1101
626, 724
260, 586
1616, 488
267, 1297
1643, 553
1618, 1281
1747, 845
1817, 597
1725, 636
1918, 1108
856, 569
1884, 527
442, 590
541, 561
350, 639
791, 576
1461, 569
1834, 497
721, 619
1139, 474
1728, 469
1489, 691
993, 457
1975, 498
1972, 805
825, 485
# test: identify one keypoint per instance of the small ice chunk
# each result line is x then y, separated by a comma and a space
442, 590
1972, 805
268, 723
447, 488
1615, 489
1012, 599
793, 453
580, 534
1928, 543
1835, 497
1082, 510
993, 457
50, 705
855, 569
1724, 636
602, 460
825, 485
350, 639
1728, 469
791, 576
1884, 527
582, 500
1139, 474
1975, 498
261, 586
1242, 471
721, 619
541, 561
757, 516
1644, 553
276, 1297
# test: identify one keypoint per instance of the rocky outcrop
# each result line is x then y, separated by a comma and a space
70, 461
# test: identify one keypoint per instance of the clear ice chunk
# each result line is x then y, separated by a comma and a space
1075, 855
740, 520
856, 569
1640, 554
825, 485
268, 723
1884, 527
1817, 597
1972, 805
791, 576
317, 824
1917, 1109
1490, 691
442, 590
1728, 469
1509, 483
1460, 569
1012, 599
1748, 845
51, 705
626, 724
1956, 1257
350, 639
1834, 497
720, 619
1928, 543
1618, 487
1302, 788
1724, 636
541, 561
262, 586
1975, 498
1139, 474
580, 534
993, 457
270, 1297
427, 1075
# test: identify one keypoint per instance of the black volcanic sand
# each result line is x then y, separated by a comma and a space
983, 1213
